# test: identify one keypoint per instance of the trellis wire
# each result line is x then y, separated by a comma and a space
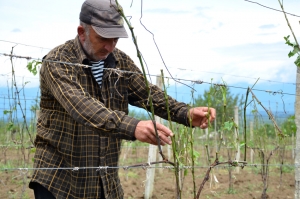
272, 8
146, 166
131, 72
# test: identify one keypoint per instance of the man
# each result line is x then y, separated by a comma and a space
84, 110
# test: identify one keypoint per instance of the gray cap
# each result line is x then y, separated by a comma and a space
103, 17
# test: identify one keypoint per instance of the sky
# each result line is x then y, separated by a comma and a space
230, 41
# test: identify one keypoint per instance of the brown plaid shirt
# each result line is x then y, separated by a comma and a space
82, 125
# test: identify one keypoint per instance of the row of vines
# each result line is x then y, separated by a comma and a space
241, 154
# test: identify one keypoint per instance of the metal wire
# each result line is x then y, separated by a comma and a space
131, 72
147, 166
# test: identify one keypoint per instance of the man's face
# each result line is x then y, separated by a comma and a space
96, 47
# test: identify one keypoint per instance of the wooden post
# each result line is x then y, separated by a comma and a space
293, 146
297, 145
236, 121
160, 170
150, 174
169, 152
206, 135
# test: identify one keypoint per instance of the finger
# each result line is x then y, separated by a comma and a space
152, 138
212, 114
164, 130
161, 138
209, 113
164, 139
204, 125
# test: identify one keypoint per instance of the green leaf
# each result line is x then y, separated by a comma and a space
287, 41
5, 112
29, 66
254, 111
291, 54
290, 44
185, 172
10, 126
235, 164
242, 144
32, 66
297, 62
196, 154
228, 126
286, 38
32, 150
295, 51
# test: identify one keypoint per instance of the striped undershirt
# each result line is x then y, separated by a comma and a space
97, 71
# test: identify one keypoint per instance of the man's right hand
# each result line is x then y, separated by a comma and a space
145, 132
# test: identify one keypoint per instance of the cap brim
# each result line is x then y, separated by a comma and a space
118, 32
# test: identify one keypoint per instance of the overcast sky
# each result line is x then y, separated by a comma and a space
231, 40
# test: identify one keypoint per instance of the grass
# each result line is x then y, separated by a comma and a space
10, 164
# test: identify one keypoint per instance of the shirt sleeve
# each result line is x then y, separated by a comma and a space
139, 97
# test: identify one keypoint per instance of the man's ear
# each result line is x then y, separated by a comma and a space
81, 33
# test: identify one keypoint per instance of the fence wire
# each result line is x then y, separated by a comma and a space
131, 72
150, 166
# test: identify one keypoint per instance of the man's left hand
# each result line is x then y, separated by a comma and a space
201, 116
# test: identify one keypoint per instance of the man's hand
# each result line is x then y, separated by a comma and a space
201, 116
145, 132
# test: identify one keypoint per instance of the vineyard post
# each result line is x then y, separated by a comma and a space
206, 135
236, 121
296, 51
293, 146
297, 103
297, 146
150, 174
169, 152
160, 158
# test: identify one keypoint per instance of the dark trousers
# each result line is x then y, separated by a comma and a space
41, 192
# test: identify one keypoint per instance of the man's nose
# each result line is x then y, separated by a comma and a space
110, 45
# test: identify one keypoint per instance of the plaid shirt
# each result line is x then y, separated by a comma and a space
82, 125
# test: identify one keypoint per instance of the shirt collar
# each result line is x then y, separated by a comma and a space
81, 55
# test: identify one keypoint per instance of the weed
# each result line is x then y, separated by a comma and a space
288, 169
12, 194
231, 191
131, 174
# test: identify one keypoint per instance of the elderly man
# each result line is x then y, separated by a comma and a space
84, 110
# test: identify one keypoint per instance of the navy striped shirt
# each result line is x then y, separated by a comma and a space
97, 71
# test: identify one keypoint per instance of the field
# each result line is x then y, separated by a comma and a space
247, 182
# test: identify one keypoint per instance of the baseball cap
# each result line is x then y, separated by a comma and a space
103, 16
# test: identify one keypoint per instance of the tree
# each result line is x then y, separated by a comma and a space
220, 98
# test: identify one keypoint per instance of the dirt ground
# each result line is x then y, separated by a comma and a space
247, 184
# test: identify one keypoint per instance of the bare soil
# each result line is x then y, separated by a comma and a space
247, 183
